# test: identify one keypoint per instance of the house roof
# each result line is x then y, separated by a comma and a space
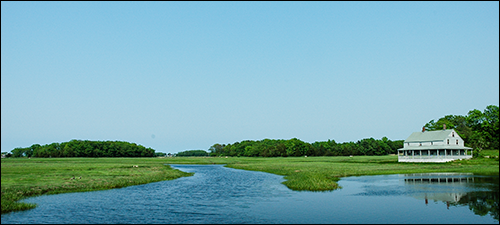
434, 147
438, 135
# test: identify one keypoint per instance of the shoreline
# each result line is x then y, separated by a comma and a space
40, 176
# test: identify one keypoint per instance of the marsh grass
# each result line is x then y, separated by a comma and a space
322, 173
23, 177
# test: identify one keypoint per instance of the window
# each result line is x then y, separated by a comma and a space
457, 142
453, 134
448, 141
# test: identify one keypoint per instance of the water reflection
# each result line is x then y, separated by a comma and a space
438, 187
478, 193
483, 202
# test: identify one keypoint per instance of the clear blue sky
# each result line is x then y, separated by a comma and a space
178, 76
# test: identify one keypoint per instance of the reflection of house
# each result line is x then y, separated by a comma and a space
434, 146
444, 187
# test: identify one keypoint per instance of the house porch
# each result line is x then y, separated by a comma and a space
435, 155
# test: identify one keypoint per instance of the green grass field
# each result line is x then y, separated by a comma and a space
22, 177
322, 173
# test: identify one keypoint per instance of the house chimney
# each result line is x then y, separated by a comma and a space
423, 129
444, 126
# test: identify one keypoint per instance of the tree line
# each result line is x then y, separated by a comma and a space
479, 130
192, 153
296, 147
85, 148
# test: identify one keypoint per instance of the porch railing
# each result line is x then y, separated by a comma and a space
436, 157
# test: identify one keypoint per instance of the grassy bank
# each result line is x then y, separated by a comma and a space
322, 173
23, 177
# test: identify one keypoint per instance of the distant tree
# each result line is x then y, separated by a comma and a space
18, 152
79, 148
296, 147
193, 153
216, 149
160, 154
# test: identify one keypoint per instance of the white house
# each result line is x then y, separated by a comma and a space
434, 146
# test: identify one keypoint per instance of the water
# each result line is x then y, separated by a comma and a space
216, 194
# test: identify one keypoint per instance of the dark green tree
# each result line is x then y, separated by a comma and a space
480, 130
193, 153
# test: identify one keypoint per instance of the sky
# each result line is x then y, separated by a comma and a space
176, 76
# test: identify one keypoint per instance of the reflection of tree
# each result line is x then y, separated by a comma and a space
483, 202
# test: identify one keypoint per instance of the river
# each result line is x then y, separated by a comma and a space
216, 194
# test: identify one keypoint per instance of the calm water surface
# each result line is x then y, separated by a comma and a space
216, 194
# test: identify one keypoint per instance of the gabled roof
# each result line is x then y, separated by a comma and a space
433, 147
438, 135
